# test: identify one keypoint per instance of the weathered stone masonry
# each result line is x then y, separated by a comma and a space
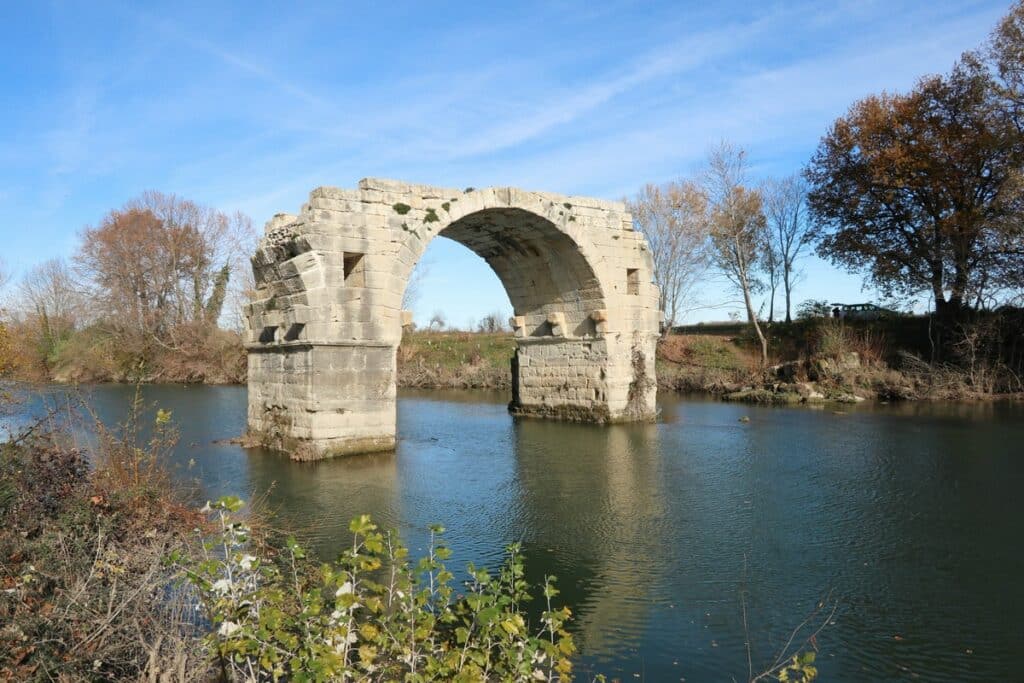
327, 318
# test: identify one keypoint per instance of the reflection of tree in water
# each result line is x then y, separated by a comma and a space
593, 511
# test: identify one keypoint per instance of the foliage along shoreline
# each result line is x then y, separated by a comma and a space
813, 361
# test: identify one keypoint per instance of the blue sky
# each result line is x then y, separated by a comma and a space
249, 106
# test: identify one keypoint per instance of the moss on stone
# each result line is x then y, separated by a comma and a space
401, 209
431, 216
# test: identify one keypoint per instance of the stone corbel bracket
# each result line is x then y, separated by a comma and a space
557, 323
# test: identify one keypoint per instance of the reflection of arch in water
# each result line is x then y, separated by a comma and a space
317, 500
595, 497
326, 321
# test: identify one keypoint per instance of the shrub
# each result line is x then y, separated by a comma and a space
86, 587
371, 614
832, 338
812, 309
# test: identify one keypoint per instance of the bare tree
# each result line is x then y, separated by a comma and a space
788, 233
50, 301
492, 323
413, 287
237, 245
673, 219
162, 262
50, 289
772, 267
737, 225
437, 321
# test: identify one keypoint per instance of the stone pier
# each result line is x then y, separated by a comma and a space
327, 320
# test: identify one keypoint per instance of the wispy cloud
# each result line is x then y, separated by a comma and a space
596, 101
236, 60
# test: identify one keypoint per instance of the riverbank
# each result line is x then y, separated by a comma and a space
455, 360
200, 354
824, 359
811, 361
85, 537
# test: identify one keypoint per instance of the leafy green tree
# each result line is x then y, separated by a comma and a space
813, 308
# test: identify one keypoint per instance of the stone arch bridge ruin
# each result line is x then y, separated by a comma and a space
326, 321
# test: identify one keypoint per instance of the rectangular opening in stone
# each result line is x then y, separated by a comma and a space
355, 270
268, 334
632, 280
294, 332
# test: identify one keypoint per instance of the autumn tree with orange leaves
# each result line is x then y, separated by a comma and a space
161, 263
738, 228
923, 191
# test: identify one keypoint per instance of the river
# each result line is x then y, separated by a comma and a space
905, 515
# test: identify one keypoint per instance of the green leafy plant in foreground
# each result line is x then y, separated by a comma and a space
371, 614
799, 668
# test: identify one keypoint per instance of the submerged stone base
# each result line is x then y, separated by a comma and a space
601, 379
315, 401
319, 449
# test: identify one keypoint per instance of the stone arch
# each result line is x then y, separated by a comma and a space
327, 319
544, 270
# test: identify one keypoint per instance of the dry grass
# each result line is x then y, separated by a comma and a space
704, 363
87, 593
197, 354
831, 338
946, 381
457, 360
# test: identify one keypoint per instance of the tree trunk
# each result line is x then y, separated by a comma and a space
752, 319
788, 295
789, 291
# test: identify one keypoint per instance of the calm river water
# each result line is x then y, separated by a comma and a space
908, 515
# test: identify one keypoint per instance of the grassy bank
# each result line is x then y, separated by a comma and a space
455, 360
197, 354
907, 358
705, 363
809, 360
